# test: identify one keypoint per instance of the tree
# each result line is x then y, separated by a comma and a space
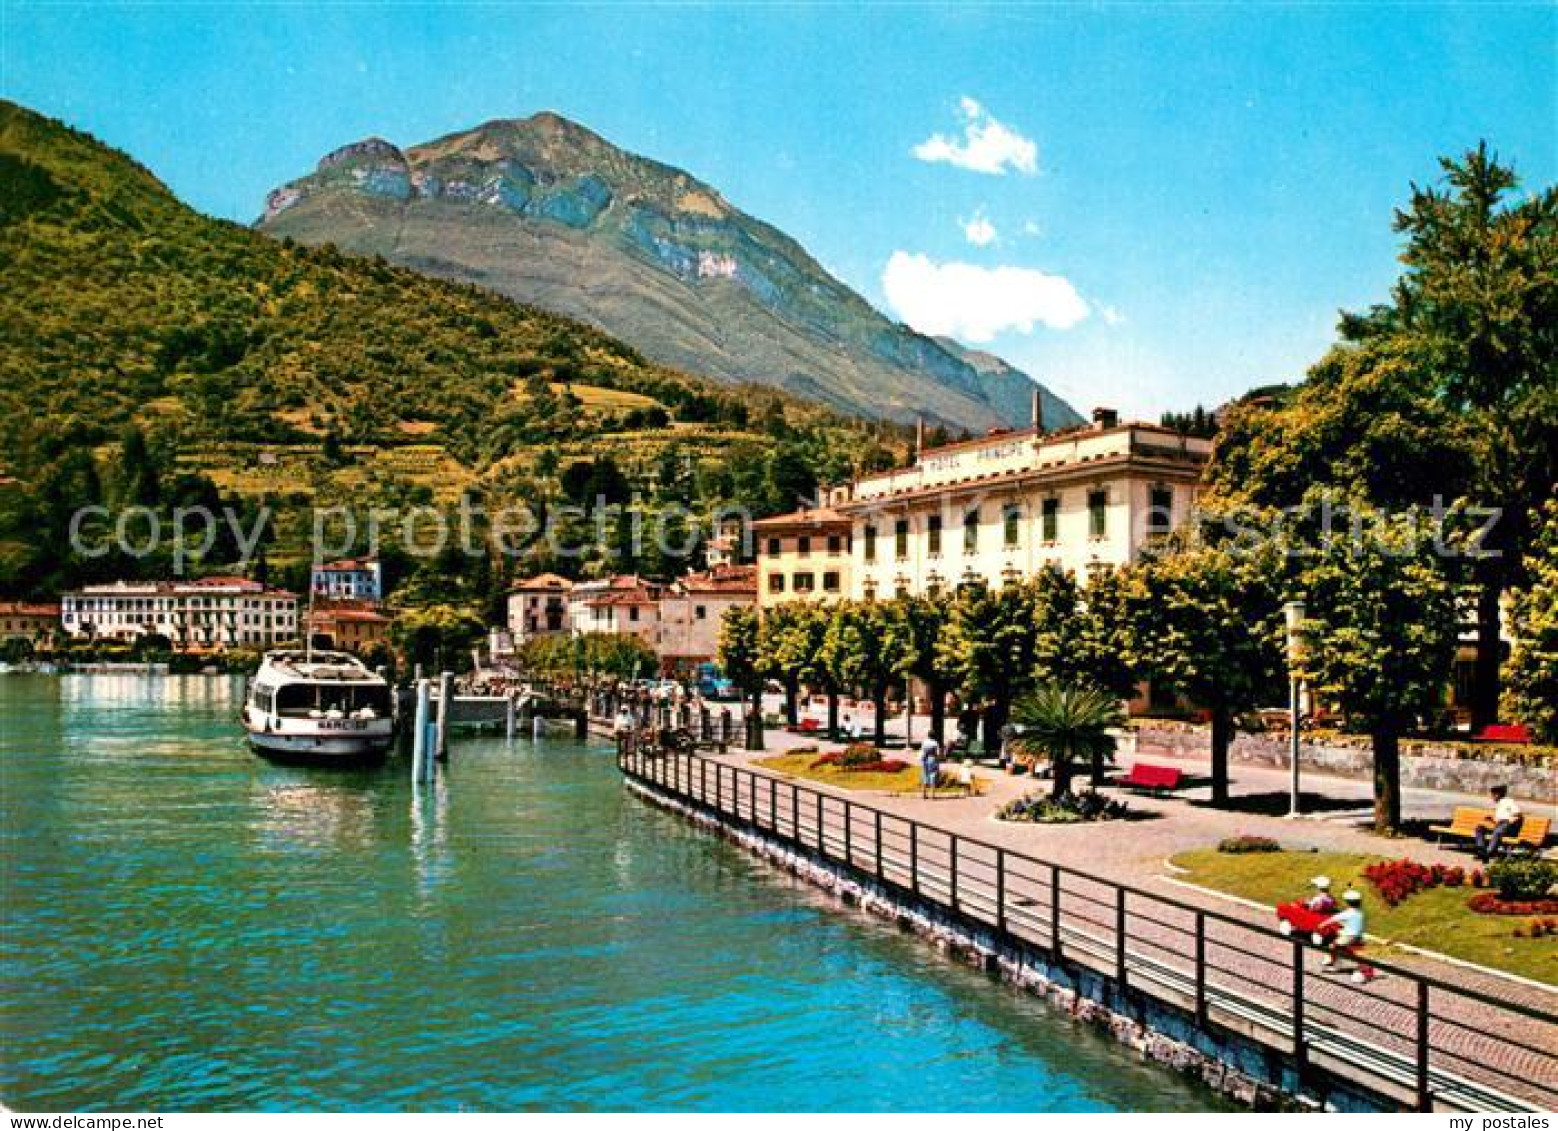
741, 659
439, 636
989, 648
1204, 623
1382, 626
1067, 725
1476, 309
790, 637
1081, 637
1532, 691
924, 620
865, 645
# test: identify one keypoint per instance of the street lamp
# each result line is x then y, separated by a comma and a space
1293, 615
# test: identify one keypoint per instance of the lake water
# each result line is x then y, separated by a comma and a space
188, 927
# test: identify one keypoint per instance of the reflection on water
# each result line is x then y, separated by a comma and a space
188, 927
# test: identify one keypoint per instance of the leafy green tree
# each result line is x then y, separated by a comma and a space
1068, 726
924, 620
741, 659
1081, 637
1205, 623
866, 643
790, 638
1476, 309
989, 647
1532, 691
439, 637
1382, 630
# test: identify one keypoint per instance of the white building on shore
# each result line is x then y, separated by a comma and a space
204, 615
1010, 504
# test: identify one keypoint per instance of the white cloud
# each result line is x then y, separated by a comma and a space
1031, 228
978, 229
974, 304
1111, 315
987, 146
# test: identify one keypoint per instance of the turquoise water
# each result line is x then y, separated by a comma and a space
188, 927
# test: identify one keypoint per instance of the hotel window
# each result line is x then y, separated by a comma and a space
805, 582
1160, 511
971, 531
1049, 517
776, 583
1097, 514
830, 582
773, 547
870, 543
835, 543
1011, 524
701, 612
933, 535
803, 546
901, 538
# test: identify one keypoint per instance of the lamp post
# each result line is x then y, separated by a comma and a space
1293, 615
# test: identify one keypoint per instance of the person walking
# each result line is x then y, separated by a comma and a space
1504, 822
930, 765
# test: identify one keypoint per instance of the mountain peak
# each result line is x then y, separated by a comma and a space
548, 212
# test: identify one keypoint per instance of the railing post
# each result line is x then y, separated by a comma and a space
1000, 889
795, 813
1201, 968
1054, 910
849, 821
822, 827
1298, 1003
773, 806
1425, 1095
1119, 936
876, 834
914, 857
703, 781
952, 869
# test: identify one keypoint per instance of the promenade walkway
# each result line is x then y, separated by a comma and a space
1512, 1054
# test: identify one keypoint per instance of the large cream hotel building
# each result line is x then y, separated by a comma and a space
1011, 503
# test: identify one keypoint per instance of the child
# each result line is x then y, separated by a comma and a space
1321, 902
1349, 935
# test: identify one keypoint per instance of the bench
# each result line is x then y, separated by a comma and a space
1145, 777
1466, 820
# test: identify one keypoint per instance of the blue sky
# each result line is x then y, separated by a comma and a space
1186, 193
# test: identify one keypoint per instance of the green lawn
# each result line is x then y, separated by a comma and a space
904, 781
1435, 919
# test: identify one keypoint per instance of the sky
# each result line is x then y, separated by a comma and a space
1147, 206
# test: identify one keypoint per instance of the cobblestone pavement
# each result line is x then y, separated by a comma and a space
1135, 853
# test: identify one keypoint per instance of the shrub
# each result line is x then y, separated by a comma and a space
1523, 879
858, 754
850, 761
1237, 845
1068, 808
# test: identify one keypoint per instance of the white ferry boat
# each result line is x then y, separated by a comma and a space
319, 707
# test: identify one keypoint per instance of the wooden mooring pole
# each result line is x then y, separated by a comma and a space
445, 710
421, 763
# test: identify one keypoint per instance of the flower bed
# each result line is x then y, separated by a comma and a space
860, 758
1491, 903
1247, 843
1068, 809
1398, 880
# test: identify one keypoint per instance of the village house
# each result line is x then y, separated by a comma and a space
354, 626
691, 611
38, 624
625, 604
349, 579
537, 607
803, 556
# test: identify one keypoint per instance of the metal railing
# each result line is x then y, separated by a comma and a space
1420, 1040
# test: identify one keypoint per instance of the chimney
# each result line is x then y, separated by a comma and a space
919, 435
1105, 418
1038, 411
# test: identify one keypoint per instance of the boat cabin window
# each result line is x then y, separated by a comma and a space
300, 700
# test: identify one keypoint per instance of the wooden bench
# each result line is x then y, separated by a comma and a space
1504, 732
1145, 777
1466, 820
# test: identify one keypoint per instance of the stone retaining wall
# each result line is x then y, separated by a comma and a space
1249, 1072
1423, 766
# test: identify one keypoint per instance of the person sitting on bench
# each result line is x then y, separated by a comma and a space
1504, 822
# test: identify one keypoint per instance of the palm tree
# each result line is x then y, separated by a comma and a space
1067, 725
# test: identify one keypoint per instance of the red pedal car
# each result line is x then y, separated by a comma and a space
1296, 918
